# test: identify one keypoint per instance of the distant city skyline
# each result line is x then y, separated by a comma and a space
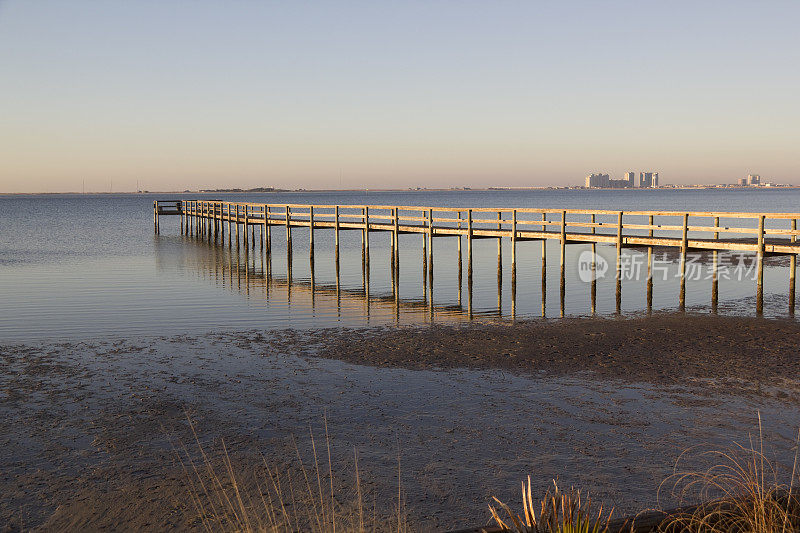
353, 95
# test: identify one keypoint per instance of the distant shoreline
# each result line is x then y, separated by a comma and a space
428, 189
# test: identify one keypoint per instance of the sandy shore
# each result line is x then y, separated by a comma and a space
87, 428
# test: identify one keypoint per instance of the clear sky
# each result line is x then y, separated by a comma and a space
196, 94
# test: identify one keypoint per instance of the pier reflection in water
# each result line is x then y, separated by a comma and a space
387, 283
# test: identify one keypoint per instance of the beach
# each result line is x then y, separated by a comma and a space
91, 430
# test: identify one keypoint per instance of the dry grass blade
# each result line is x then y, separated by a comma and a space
742, 491
561, 512
229, 498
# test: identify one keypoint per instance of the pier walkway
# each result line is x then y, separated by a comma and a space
761, 234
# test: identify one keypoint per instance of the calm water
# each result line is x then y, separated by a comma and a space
81, 266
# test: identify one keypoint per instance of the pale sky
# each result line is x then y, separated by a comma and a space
198, 94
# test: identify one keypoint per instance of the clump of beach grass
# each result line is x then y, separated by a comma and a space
743, 491
305, 496
558, 512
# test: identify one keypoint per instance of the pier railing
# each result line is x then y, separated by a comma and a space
759, 233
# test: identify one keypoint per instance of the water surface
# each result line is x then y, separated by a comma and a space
84, 266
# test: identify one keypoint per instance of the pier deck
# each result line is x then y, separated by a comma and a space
761, 234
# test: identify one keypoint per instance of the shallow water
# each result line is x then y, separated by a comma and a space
82, 266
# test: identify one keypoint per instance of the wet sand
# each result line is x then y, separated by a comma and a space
605, 404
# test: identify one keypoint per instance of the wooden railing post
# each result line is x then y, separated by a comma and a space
363, 239
684, 249
544, 247
650, 222
714, 273
792, 268
469, 245
424, 248
288, 230
619, 263
458, 214
216, 220
263, 230
499, 245
268, 249
563, 239
593, 289
469, 262
396, 240
366, 236
336, 231
237, 226
222, 222
563, 282
311, 232
230, 224
513, 248
246, 237
760, 283
430, 247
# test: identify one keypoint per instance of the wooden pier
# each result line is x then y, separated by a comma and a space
246, 224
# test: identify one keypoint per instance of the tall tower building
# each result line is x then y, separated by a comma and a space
631, 178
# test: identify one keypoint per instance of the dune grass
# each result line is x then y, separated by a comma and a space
743, 491
303, 496
558, 511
